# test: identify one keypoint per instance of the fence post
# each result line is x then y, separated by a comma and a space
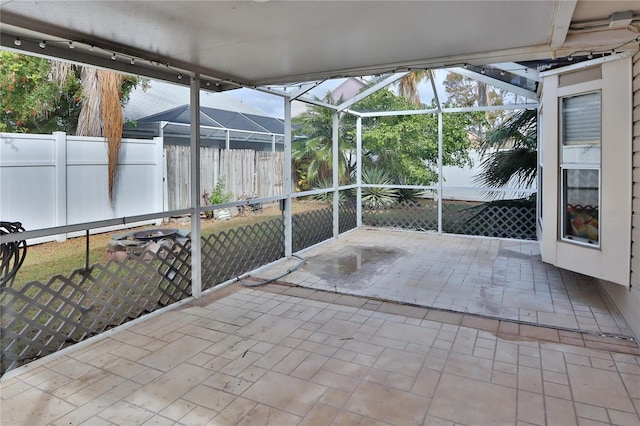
60, 167
159, 176
165, 170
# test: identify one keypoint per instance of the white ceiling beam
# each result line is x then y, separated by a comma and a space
352, 112
517, 69
371, 90
562, 21
599, 41
272, 91
394, 113
301, 91
317, 102
530, 105
494, 82
299, 98
587, 64
122, 64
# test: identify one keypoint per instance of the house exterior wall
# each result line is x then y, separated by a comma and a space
628, 300
635, 233
610, 259
620, 208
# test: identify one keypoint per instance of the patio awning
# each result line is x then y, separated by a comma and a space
254, 43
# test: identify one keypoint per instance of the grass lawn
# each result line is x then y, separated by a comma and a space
46, 260
43, 261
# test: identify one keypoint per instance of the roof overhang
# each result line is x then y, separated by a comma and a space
254, 43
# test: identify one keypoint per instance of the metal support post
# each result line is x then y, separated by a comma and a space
288, 186
359, 171
196, 254
336, 175
440, 178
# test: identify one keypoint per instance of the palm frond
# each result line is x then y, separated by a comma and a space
89, 121
110, 83
515, 166
509, 153
408, 86
59, 72
518, 130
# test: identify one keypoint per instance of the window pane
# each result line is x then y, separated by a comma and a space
581, 129
580, 198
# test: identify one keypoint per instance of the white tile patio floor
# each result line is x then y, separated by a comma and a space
270, 357
286, 355
496, 278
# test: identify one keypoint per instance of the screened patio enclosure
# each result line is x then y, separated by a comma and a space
192, 44
41, 317
218, 128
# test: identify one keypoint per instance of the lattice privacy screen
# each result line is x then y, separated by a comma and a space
421, 216
500, 221
487, 220
41, 318
347, 216
311, 228
237, 251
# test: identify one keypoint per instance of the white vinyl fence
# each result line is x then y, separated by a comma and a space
56, 180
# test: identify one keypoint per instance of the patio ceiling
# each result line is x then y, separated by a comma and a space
255, 43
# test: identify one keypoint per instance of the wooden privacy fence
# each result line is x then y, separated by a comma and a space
244, 171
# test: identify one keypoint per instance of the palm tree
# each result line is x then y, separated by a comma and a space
509, 152
408, 86
101, 112
313, 146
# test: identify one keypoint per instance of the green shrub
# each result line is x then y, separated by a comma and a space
327, 197
219, 195
377, 197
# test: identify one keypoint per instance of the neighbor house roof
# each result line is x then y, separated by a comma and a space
158, 96
214, 117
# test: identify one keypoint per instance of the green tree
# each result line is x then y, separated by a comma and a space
466, 92
407, 146
313, 146
41, 96
509, 152
31, 101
